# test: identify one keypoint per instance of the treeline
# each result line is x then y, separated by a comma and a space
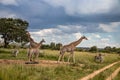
57, 46
95, 49
52, 46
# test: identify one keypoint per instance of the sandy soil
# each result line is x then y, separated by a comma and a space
40, 62
90, 76
114, 74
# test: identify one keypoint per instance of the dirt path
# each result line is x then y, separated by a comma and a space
41, 62
90, 76
114, 74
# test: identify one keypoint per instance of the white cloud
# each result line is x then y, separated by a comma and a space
47, 32
8, 2
110, 36
71, 28
77, 35
105, 40
112, 27
96, 35
1, 39
60, 30
93, 39
7, 14
73, 7
65, 34
61, 33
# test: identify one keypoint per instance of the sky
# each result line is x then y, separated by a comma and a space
64, 21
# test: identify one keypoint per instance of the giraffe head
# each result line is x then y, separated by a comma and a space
83, 37
42, 40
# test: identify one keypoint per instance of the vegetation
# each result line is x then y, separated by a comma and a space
13, 30
93, 49
84, 65
103, 75
52, 46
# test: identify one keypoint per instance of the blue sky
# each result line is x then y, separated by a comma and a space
63, 21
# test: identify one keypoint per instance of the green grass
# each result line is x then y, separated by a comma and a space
7, 54
84, 65
22, 72
103, 75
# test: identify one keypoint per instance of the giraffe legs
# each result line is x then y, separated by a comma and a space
28, 54
32, 53
71, 55
36, 54
61, 56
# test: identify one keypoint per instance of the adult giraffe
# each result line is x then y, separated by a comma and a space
33, 48
70, 48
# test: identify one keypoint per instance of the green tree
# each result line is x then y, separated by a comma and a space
13, 30
79, 49
107, 49
52, 45
58, 46
93, 49
118, 50
45, 46
114, 49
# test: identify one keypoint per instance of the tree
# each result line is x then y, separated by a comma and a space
93, 49
79, 49
45, 46
58, 46
52, 45
114, 49
107, 49
118, 51
13, 30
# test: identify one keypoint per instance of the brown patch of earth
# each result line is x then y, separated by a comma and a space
40, 62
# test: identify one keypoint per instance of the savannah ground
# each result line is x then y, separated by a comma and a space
49, 69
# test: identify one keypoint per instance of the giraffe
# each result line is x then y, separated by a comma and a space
15, 52
70, 48
33, 48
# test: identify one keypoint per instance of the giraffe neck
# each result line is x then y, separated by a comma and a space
33, 44
30, 39
77, 42
40, 43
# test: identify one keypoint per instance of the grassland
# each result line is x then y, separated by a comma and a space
84, 65
103, 75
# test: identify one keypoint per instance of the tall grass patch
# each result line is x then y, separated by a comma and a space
103, 75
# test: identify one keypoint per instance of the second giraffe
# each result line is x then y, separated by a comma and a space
70, 48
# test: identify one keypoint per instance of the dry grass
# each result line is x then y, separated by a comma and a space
84, 65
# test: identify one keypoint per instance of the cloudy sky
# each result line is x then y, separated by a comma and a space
64, 21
